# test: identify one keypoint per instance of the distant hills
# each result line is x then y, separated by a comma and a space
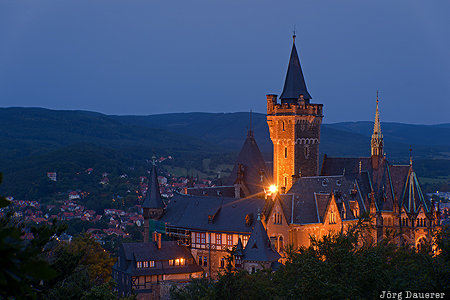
36, 140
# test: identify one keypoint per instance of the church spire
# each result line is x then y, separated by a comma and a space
294, 85
377, 136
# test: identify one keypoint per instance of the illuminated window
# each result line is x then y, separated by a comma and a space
139, 264
244, 240
197, 238
151, 264
182, 261
145, 264
203, 238
218, 238
229, 240
332, 218
170, 262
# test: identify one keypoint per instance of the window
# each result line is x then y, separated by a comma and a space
306, 151
285, 152
170, 262
222, 262
332, 218
205, 261
285, 181
218, 238
203, 238
200, 260
151, 264
145, 264
197, 238
282, 125
139, 264
244, 240
229, 240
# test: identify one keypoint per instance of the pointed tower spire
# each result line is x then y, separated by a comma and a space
250, 131
377, 136
294, 85
410, 156
153, 205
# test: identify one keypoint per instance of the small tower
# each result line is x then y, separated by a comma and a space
153, 205
377, 137
294, 126
258, 252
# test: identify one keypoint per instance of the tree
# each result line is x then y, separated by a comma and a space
22, 265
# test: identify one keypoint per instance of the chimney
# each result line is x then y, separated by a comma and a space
157, 239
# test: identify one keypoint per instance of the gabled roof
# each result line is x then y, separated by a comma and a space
308, 199
217, 214
294, 85
148, 251
251, 159
239, 248
412, 195
258, 247
153, 197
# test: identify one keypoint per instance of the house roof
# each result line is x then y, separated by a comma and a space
307, 200
218, 214
153, 197
149, 251
258, 247
294, 84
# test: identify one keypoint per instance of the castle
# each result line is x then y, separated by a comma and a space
259, 221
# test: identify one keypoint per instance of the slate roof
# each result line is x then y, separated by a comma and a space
149, 251
307, 200
258, 247
294, 84
217, 214
412, 198
392, 185
153, 197
220, 191
132, 252
251, 158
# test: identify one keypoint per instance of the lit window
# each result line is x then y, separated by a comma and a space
182, 261
145, 264
197, 238
244, 240
139, 264
203, 238
151, 264
218, 238
170, 262
177, 262
229, 240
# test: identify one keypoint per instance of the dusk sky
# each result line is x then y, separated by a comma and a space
151, 57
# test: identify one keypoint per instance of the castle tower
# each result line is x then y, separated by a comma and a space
376, 143
153, 205
294, 126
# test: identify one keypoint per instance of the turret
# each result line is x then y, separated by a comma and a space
153, 205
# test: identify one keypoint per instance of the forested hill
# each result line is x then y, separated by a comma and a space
343, 139
36, 140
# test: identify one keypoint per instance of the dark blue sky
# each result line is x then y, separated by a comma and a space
148, 57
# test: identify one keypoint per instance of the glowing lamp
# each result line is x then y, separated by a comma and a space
273, 189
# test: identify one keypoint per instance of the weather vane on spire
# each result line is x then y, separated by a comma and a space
294, 36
